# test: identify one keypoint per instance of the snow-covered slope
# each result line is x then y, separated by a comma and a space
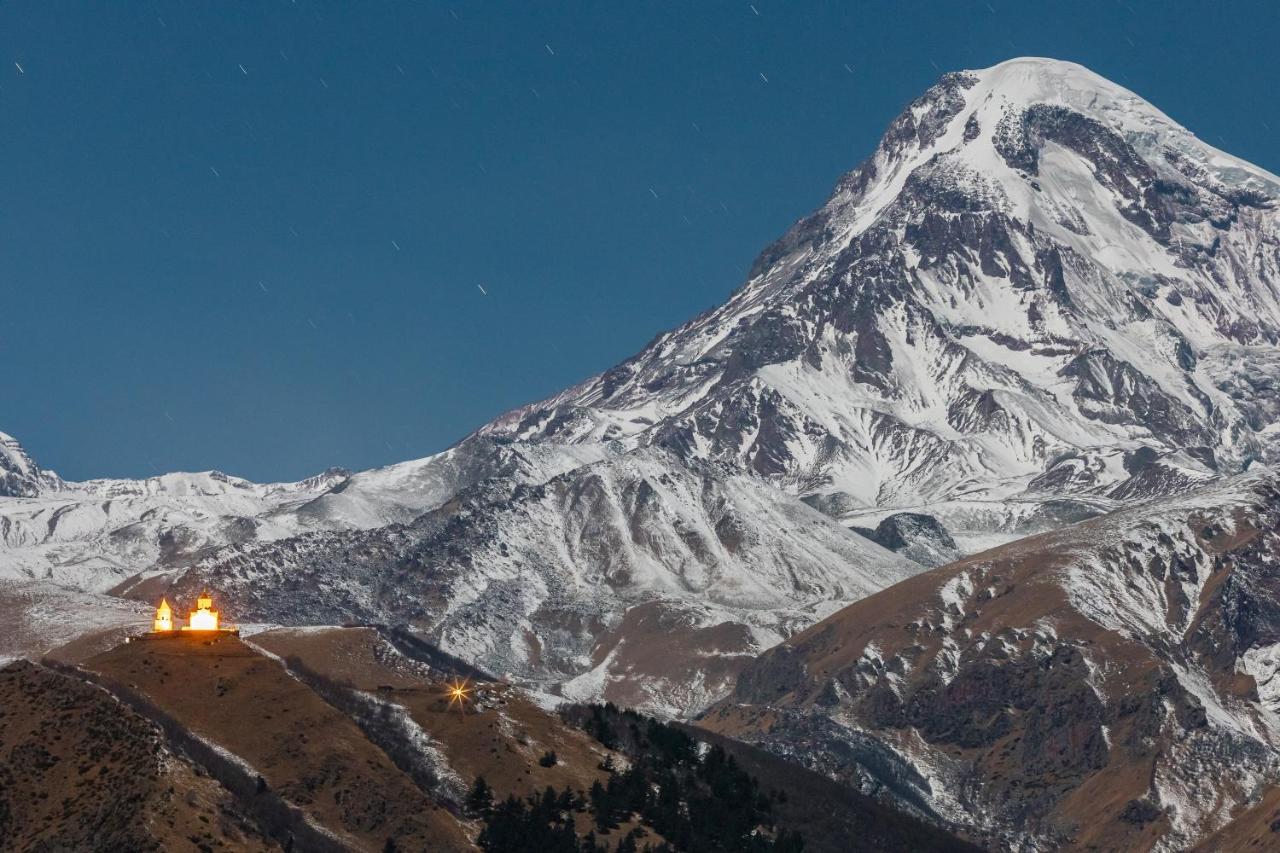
95, 534
92, 535
636, 578
400, 493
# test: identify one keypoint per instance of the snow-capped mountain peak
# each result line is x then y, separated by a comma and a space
19, 474
1034, 264
1032, 80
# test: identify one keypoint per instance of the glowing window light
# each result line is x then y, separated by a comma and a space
204, 617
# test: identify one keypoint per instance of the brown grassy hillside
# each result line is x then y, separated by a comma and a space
501, 735
305, 750
80, 772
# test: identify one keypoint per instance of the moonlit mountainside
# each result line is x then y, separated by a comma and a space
1038, 301
1038, 285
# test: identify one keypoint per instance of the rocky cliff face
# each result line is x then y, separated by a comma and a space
1110, 683
918, 537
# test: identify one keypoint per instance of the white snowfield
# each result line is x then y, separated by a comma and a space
94, 534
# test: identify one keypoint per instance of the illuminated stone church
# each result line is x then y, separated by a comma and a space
203, 618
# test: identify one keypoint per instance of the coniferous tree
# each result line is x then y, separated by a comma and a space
480, 800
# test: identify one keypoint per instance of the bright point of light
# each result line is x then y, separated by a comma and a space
458, 692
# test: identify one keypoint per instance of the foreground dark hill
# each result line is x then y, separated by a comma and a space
345, 739
305, 750
79, 772
1111, 685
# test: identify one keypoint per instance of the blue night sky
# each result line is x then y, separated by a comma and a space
202, 202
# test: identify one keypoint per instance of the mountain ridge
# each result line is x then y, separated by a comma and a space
1112, 391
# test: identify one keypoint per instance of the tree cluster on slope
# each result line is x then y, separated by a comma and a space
691, 798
